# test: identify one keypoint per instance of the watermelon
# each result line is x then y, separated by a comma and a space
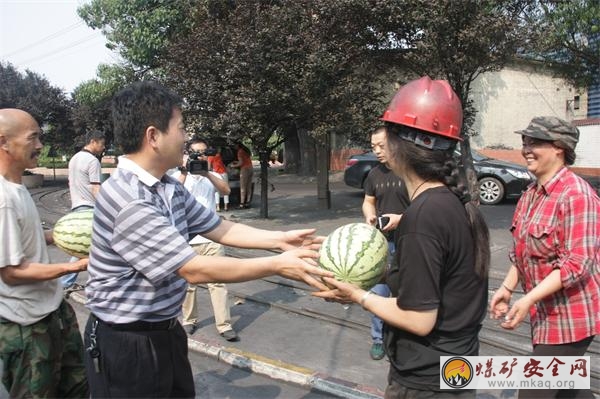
73, 233
355, 253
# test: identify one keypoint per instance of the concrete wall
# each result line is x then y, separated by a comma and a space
507, 101
588, 148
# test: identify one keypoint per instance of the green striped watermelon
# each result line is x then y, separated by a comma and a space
73, 233
355, 253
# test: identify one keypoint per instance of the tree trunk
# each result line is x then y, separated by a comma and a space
291, 151
263, 156
307, 153
323, 155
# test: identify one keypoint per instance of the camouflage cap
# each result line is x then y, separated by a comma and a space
551, 128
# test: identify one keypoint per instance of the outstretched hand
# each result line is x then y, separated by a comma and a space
304, 238
299, 264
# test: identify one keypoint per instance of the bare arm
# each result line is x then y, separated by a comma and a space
297, 264
244, 236
417, 322
368, 209
95, 189
27, 272
520, 309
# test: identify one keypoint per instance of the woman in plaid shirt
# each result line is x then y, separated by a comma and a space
555, 257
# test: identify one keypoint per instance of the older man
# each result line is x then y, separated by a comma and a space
40, 343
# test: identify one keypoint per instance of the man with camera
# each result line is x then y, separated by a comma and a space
385, 200
203, 184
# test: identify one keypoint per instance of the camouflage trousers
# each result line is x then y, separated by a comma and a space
44, 359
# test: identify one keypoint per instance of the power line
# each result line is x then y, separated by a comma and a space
57, 50
44, 39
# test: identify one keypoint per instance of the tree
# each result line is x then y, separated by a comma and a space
92, 100
566, 35
139, 30
258, 69
47, 104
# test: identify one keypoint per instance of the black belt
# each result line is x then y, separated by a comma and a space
141, 325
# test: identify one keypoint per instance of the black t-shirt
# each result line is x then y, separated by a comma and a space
434, 269
389, 191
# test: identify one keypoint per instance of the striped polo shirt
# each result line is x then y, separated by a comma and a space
140, 239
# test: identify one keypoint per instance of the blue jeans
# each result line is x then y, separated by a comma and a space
69, 279
381, 290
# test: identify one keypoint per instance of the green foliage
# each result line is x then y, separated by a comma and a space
47, 104
50, 158
138, 29
566, 35
93, 97
253, 69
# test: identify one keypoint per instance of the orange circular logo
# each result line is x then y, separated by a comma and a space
457, 372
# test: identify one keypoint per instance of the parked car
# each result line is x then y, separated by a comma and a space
498, 180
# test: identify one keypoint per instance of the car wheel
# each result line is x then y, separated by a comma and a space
491, 191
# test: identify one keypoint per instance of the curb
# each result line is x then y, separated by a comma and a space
276, 369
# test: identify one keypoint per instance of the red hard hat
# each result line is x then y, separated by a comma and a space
429, 105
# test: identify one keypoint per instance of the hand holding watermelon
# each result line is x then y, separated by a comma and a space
340, 291
300, 265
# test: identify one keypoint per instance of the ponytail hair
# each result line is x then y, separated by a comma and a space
440, 165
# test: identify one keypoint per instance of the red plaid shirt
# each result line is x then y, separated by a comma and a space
557, 226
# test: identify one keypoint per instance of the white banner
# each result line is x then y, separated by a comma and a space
515, 372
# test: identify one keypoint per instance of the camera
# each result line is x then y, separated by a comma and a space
194, 165
382, 221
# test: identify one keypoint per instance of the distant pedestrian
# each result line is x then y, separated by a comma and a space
244, 163
216, 165
203, 186
386, 199
440, 277
141, 261
40, 343
85, 172
556, 252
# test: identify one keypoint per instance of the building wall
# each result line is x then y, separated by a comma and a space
589, 144
507, 101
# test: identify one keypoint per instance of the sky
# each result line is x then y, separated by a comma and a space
49, 38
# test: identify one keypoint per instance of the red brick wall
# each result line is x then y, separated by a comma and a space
339, 157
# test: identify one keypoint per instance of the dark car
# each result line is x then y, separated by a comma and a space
498, 179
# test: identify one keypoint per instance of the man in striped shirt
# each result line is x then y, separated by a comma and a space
141, 262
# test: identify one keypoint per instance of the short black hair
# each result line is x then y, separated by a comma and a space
196, 140
138, 106
96, 135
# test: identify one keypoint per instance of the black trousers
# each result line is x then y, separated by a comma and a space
138, 364
572, 349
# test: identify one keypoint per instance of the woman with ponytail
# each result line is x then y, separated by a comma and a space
439, 278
